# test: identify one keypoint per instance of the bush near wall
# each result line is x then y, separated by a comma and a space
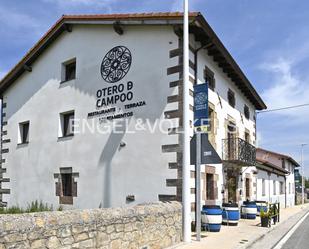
149, 226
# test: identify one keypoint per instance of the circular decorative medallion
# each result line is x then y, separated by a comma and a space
116, 64
200, 98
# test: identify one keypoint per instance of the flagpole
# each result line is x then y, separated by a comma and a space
186, 202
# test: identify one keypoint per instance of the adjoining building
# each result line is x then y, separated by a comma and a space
273, 178
126, 71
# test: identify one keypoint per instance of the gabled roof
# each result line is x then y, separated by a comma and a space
270, 167
198, 26
280, 155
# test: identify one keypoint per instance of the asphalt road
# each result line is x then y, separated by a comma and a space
300, 238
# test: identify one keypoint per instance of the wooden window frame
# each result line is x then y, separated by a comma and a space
68, 70
231, 98
67, 128
210, 187
246, 112
209, 78
24, 129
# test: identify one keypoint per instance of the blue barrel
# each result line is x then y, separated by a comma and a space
212, 218
230, 214
249, 210
261, 205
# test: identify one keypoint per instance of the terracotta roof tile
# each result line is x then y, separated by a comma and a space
266, 163
151, 15
281, 155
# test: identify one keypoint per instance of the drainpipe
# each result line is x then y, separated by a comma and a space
269, 174
196, 61
285, 199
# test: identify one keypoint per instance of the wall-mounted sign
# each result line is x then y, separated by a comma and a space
116, 101
201, 105
208, 154
116, 64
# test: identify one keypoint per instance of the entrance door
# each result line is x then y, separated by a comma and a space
231, 186
248, 188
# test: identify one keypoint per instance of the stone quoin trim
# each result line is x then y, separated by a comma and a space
177, 148
174, 114
2, 161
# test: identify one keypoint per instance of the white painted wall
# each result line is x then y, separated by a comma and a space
223, 84
107, 174
270, 195
290, 184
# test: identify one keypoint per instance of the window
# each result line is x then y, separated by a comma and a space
246, 112
231, 98
274, 188
67, 124
69, 70
263, 187
209, 77
281, 188
247, 137
24, 133
210, 187
211, 120
283, 163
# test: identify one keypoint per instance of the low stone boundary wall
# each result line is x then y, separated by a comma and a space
148, 226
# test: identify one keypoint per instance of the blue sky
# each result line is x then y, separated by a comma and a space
268, 39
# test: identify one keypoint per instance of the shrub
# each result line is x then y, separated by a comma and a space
34, 206
264, 214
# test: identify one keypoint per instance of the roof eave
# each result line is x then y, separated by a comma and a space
273, 168
129, 19
259, 103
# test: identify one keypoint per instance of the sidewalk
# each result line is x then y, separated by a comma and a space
247, 232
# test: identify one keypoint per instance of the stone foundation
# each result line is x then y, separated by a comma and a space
141, 227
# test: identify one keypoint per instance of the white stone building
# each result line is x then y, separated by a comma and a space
275, 180
126, 69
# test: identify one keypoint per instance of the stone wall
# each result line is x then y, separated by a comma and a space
141, 227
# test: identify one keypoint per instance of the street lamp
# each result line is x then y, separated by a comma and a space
302, 176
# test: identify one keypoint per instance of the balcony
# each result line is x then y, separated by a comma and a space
238, 152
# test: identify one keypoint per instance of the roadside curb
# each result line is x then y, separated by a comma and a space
296, 225
298, 216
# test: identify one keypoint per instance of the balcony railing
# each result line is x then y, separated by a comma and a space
238, 152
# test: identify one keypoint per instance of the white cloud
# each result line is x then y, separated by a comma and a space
91, 5
13, 19
288, 89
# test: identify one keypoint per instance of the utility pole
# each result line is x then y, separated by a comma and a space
302, 175
186, 202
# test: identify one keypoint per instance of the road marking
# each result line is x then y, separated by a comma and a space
289, 234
